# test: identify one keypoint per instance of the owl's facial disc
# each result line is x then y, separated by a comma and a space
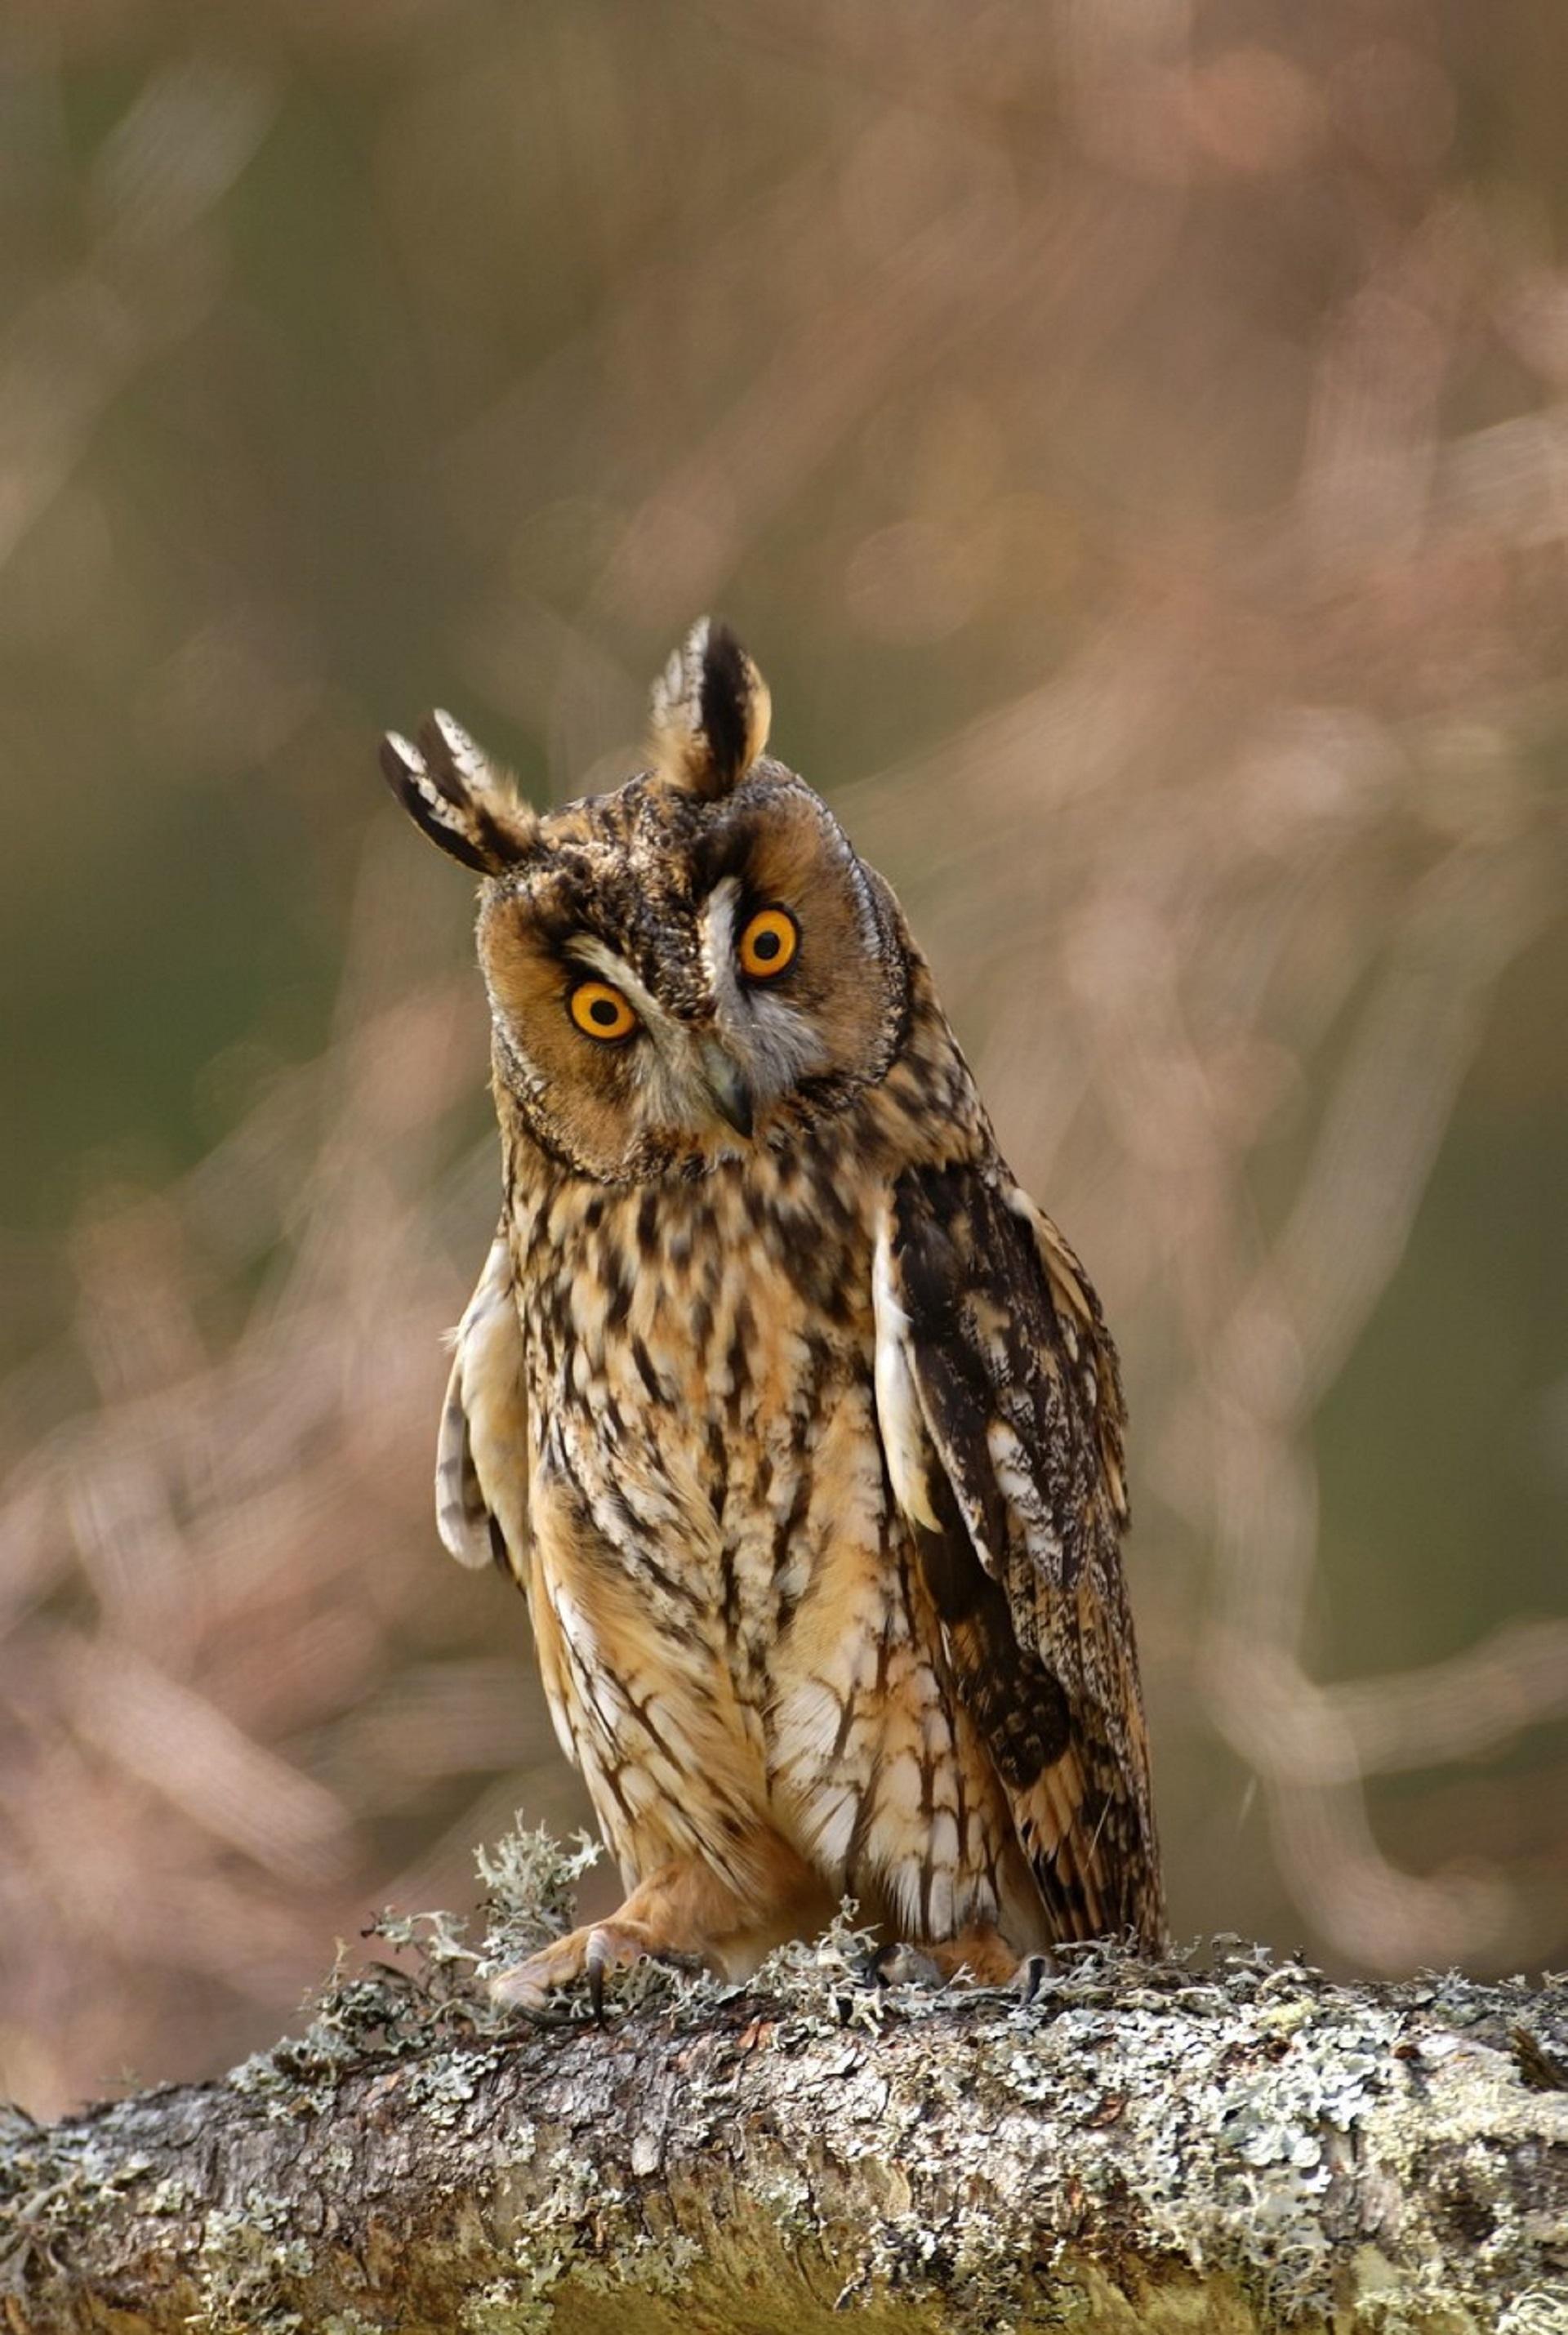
674, 976
689, 1069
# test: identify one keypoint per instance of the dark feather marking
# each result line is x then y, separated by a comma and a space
612, 1267
470, 1498
725, 705
819, 1361
648, 1223
640, 1706
1045, 1671
719, 1471
789, 1525
643, 1363
608, 1549
612, 1775
738, 1361
928, 1817
423, 806
1019, 1704
871, 1792
452, 807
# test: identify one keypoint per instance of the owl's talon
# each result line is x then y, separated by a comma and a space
1031, 1974
595, 1963
592, 1953
549, 2021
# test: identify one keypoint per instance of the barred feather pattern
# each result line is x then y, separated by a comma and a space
779, 1585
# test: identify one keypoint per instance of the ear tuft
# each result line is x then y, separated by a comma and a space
451, 789
710, 714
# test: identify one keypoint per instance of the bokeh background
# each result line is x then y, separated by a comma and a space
1133, 437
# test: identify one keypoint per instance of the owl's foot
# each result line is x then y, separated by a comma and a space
593, 1952
685, 1914
982, 1956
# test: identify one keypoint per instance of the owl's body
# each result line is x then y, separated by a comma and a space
796, 1423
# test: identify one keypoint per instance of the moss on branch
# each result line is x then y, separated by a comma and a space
1225, 2143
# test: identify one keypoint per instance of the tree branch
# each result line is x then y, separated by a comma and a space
1240, 2148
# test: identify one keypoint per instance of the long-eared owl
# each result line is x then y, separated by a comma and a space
796, 1420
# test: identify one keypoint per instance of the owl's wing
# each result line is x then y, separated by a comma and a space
482, 1449
1001, 1415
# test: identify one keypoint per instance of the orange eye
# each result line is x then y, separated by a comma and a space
601, 1012
768, 943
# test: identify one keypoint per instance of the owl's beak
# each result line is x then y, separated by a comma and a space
725, 1086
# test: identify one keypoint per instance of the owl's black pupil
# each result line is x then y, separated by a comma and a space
766, 946
604, 1011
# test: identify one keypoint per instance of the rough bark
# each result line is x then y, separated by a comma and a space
1237, 2148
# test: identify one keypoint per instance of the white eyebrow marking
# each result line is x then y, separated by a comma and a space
597, 957
719, 934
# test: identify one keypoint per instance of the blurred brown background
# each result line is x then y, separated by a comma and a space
1133, 438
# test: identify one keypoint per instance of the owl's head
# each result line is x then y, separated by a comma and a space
695, 963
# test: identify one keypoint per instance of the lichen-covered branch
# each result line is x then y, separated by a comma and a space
1224, 2142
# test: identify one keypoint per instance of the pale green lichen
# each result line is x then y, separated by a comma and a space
172, 2195
442, 2086
1218, 2117
511, 2306
1537, 2313
49, 2185
1229, 2136
246, 2261
393, 2010
824, 1981
529, 1875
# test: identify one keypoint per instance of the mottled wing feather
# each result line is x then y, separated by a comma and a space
482, 1448
1001, 1415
